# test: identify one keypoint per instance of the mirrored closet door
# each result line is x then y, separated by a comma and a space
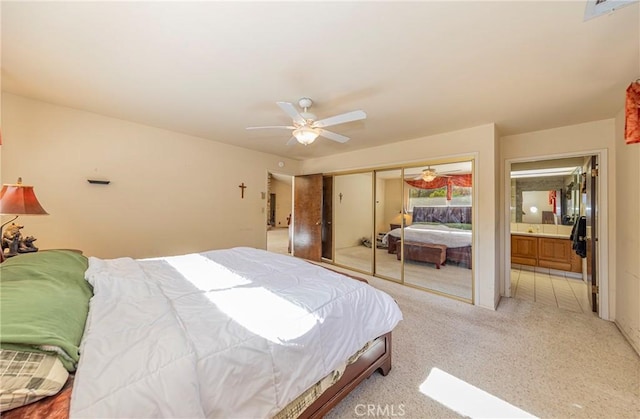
437, 245
411, 225
353, 221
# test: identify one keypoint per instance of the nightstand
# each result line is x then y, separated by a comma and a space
394, 226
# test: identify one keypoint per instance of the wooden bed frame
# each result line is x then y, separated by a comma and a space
377, 357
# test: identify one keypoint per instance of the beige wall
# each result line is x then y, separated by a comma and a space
627, 260
584, 139
479, 142
170, 193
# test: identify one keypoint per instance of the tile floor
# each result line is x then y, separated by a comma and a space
549, 287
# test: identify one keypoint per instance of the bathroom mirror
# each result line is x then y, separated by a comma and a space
541, 207
546, 199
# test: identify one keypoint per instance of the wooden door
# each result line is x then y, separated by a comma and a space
592, 237
307, 217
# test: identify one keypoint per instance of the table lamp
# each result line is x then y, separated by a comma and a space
18, 200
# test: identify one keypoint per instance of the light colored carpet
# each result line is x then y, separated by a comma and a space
278, 240
545, 361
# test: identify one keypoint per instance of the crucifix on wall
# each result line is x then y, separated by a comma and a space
242, 187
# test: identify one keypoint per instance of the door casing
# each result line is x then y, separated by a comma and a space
602, 227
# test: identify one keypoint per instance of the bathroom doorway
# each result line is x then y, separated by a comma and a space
556, 235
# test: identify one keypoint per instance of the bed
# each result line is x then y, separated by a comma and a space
448, 226
227, 333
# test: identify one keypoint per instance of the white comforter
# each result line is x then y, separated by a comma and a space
435, 234
227, 333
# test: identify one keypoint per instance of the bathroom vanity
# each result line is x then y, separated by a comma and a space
544, 250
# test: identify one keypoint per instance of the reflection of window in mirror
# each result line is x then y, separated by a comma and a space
535, 204
447, 184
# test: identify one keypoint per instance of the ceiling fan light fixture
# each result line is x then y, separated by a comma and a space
305, 135
428, 174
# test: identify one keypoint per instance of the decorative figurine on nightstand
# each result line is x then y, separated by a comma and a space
13, 241
26, 245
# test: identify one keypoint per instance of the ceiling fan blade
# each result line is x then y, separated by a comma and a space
333, 136
292, 141
273, 126
291, 110
340, 119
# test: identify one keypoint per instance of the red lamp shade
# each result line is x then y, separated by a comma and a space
19, 199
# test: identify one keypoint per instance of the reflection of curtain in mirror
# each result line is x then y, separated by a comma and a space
449, 181
632, 114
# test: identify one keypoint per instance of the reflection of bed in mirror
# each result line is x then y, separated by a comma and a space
449, 226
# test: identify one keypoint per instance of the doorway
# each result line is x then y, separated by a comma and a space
272, 210
551, 256
279, 208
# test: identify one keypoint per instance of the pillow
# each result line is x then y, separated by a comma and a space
28, 376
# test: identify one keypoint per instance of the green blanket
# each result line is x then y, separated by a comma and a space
44, 302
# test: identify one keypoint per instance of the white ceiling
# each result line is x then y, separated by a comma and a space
210, 69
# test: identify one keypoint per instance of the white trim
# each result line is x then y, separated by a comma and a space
602, 196
475, 222
602, 217
505, 287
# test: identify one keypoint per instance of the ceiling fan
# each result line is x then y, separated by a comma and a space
306, 127
430, 174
